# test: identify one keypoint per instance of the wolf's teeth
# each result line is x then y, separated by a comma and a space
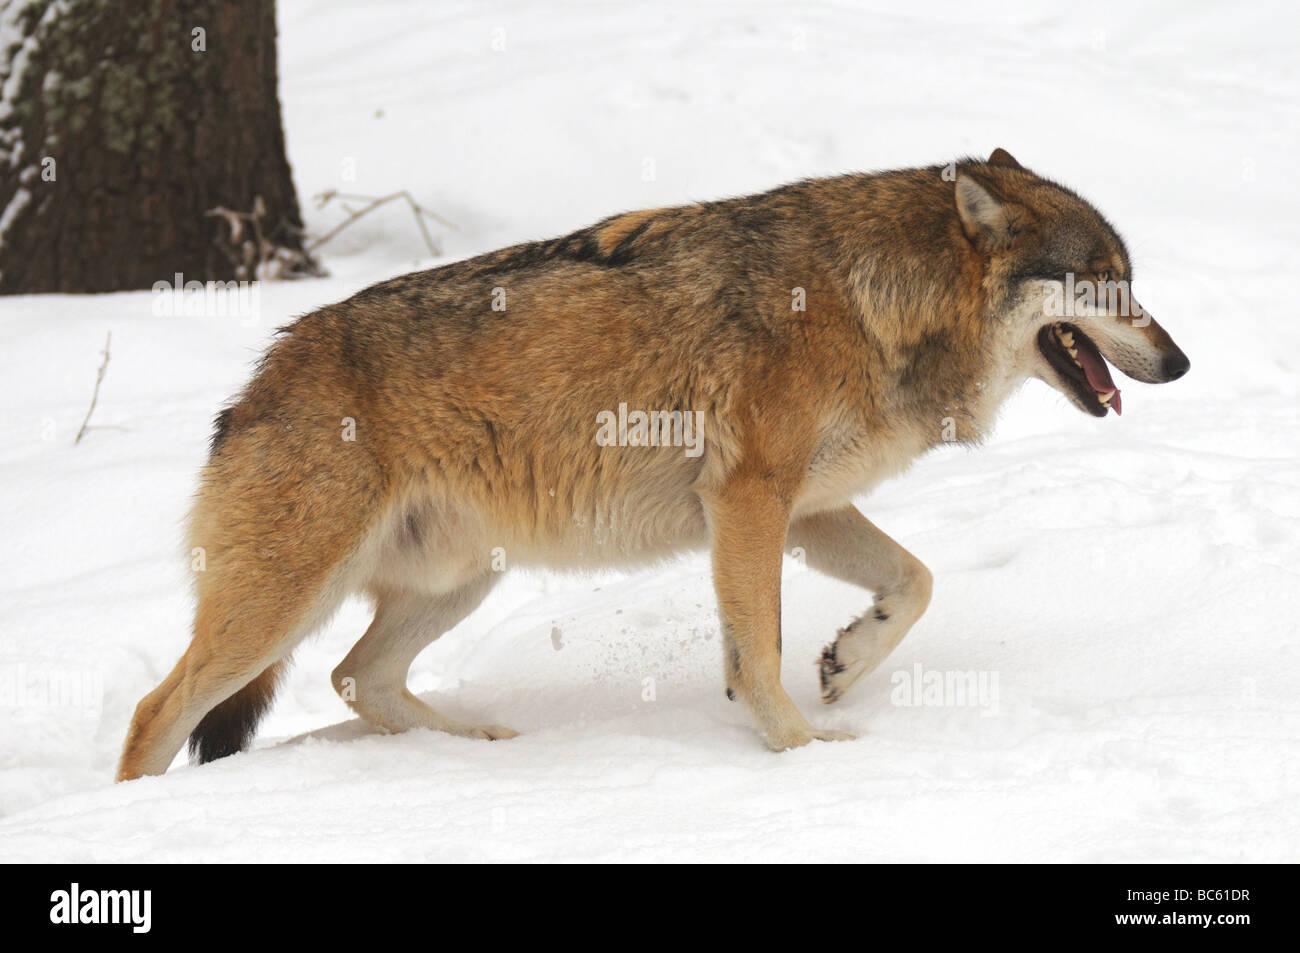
1067, 338
1105, 398
1074, 353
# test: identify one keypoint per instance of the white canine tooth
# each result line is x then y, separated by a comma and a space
1067, 338
1074, 352
1105, 398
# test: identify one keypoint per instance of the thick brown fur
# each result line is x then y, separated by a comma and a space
473, 393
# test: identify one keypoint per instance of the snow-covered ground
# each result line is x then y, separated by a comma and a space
1125, 590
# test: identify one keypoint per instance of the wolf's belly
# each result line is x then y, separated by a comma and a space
615, 507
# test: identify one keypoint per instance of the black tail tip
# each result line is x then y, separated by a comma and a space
229, 728
220, 737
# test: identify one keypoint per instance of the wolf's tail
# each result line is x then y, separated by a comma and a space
228, 728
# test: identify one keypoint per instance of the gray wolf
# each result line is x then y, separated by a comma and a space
822, 335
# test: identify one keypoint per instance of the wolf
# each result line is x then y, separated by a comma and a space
824, 334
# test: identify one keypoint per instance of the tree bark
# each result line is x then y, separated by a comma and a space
122, 125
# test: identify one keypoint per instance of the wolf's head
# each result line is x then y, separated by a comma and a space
1059, 279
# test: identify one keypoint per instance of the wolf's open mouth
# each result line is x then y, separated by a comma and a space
1071, 353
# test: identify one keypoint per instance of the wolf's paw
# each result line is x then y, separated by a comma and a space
490, 732
839, 666
803, 737
858, 649
828, 667
831, 734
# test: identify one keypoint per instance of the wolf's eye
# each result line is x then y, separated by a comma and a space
1103, 275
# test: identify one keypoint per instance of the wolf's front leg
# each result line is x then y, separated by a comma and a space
748, 520
845, 544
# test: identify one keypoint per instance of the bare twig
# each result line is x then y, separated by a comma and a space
372, 203
261, 255
99, 379
326, 196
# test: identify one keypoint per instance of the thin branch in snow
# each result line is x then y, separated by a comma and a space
99, 379
372, 203
257, 256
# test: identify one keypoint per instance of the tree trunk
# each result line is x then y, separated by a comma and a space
123, 126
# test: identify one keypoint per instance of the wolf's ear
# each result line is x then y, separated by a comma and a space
1002, 157
986, 220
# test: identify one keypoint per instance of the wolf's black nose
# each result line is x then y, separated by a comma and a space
1176, 366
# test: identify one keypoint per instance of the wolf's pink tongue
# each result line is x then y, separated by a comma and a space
1099, 375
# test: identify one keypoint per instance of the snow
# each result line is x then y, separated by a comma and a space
1128, 586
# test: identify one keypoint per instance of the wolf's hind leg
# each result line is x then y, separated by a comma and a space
372, 678
845, 544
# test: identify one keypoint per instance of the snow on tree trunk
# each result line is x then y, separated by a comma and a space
123, 126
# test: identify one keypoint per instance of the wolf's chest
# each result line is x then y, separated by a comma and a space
848, 461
